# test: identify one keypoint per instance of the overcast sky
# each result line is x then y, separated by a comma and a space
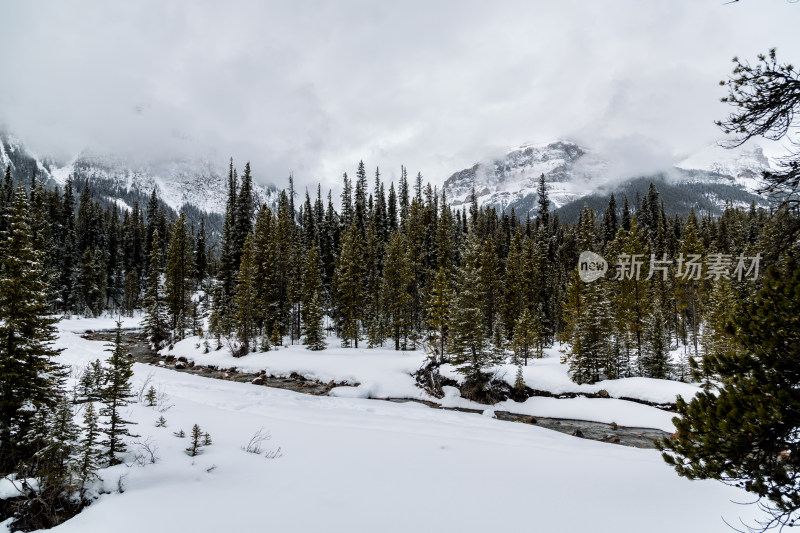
313, 87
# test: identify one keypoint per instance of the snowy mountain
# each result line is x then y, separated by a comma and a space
512, 181
200, 183
574, 175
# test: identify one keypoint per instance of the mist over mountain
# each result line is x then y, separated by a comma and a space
705, 181
179, 182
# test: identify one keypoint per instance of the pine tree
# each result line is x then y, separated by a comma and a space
116, 395
626, 215
744, 431
178, 278
56, 446
587, 314
397, 280
349, 285
690, 291
656, 363
469, 346
29, 378
130, 298
155, 323
314, 335
89, 455
150, 397
632, 295
200, 254
245, 302
92, 281
543, 202
197, 441
439, 306
527, 340
243, 213
519, 381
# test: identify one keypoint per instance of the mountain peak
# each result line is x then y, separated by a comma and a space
573, 172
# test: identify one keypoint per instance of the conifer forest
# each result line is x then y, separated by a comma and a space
600, 332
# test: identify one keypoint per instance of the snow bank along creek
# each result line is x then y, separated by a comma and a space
136, 346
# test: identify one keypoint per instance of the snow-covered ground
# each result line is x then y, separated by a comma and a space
386, 373
354, 464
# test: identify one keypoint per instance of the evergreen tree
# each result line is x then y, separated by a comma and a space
313, 333
130, 298
245, 303
349, 285
744, 431
626, 215
469, 346
116, 395
690, 285
243, 215
197, 441
178, 277
155, 322
655, 363
55, 442
519, 381
588, 314
543, 202
200, 251
92, 281
397, 280
29, 378
716, 337
527, 341
89, 455
439, 306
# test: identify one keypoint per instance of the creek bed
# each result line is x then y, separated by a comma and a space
135, 344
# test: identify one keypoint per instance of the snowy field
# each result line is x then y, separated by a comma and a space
351, 464
386, 373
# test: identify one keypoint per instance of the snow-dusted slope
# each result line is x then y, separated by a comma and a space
197, 182
201, 183
512, 180
742, 166
573, 172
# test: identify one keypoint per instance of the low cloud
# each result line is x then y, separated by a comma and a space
311, 89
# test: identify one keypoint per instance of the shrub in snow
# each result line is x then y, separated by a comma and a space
199, 439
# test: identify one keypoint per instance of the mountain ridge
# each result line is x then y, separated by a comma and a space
706, 181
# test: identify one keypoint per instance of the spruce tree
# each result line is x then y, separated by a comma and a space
89, 455
397, 280
313, 333
349, 285
527, 340
655, 362
55, 442
543, 202
469, 343
115, 396
178, 278
519, 382
155, 323
439, 307
29, 378
245, 303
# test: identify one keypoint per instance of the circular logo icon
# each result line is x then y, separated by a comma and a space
591, 266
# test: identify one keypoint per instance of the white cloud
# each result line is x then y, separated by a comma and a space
312, 88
